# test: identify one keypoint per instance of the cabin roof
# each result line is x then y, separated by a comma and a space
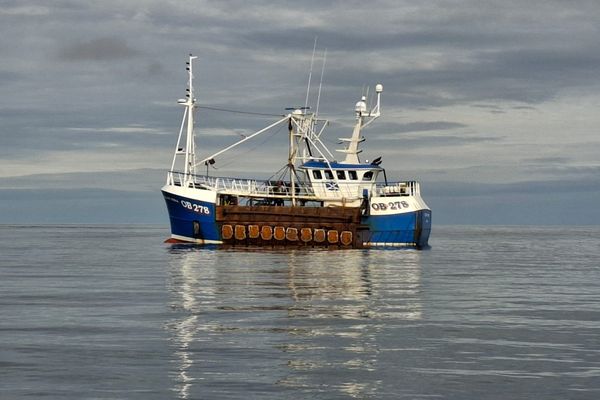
336, 165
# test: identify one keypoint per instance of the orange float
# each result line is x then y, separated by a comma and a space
253, 231
306, 235
319, 235
291, 234
266, 233
240, 232
227, 232
332, 236
279, 233
346, 238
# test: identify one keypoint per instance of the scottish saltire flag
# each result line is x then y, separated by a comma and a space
332, 186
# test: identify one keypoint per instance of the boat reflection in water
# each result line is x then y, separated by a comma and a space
275, 323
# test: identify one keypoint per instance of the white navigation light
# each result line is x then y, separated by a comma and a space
379, 88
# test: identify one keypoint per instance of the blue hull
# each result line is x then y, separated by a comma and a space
191, 219
398, 229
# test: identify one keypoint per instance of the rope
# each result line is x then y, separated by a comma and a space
239, 112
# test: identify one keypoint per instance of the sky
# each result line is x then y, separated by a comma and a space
491, 105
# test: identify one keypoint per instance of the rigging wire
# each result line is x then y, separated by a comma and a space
227, 161
239, 111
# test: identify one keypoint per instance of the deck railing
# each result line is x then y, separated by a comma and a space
266, 188
408, 188
240, 186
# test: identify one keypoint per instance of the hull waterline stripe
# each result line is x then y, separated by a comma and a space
195, 240
388, 244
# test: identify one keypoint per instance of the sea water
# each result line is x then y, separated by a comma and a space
111, 312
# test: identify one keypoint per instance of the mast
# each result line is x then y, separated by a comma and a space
297, 118
362, 114
189, 102
186, 150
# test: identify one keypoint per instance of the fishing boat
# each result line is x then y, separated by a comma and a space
313, 200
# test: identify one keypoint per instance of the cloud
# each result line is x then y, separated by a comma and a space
435, 141
140, 180
422, 134
548, 160
27, 11
420, 126
494, 92
100, 49
135, 129
7, 77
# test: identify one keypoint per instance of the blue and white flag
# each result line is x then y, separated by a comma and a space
332, 186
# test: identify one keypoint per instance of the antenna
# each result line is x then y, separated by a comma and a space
321, 82
312, 60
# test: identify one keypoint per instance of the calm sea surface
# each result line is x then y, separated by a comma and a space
111, 312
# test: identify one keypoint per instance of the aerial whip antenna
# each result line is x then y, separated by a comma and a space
321, 81
312, 60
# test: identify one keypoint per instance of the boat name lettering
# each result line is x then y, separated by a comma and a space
392, 205
195, 207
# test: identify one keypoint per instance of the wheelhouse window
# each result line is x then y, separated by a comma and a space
352, 175
317, 174
341, 175
328, 174
368, 176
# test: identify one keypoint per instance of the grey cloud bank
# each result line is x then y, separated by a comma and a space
489, 102
101, 49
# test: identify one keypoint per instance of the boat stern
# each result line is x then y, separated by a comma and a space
397, 221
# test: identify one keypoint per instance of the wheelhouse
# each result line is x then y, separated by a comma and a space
341, 182
318, 171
